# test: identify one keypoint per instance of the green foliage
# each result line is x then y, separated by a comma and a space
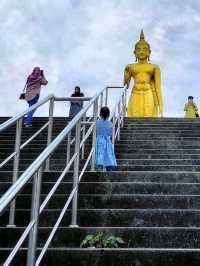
88, 242
99, 239
113, 242
102, 240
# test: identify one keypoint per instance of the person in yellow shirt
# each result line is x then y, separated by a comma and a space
191, 110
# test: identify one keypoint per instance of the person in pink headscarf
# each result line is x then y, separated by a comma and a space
33, 87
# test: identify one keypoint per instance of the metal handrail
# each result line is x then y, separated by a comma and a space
18, 119
15, 118
27, 175
36, 169
24, 144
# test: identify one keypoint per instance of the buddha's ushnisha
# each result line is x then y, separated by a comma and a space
146, 97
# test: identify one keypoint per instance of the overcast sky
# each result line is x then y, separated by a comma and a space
88, 43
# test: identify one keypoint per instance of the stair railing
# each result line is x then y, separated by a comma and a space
36, 169
18, 121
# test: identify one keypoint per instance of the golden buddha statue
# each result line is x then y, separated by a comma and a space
146, 98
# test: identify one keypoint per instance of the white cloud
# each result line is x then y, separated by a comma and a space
88, 43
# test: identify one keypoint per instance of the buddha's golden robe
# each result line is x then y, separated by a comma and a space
145, 99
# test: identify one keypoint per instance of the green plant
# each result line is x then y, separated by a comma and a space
96, 240
114, 242
88, 242
102, 240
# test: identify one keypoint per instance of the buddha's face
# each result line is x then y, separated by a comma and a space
142, 51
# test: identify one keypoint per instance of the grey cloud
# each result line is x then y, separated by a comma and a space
89, 43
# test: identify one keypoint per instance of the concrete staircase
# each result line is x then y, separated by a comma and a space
152, 200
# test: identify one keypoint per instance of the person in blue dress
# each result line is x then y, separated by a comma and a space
105, 156
76, 105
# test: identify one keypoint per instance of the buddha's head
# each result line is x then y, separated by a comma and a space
142, 49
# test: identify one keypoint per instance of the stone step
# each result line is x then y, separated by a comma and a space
142, 120
162, 126
152, 200
160, 133
61, 155
131, 167
158, 137
25, 155
156, 130
42, 136
121, 167
119, 176
122, 148
152, 142
40, 118
152, 162
31, 145
53, 166
158, 145
156, 149
128, 156
193, 132
126, 142
160, 122
193, 168
118, 150
131, 176
133, 237
114, 257
37, 141
114, 217
138, 138
109, 188
121, 201
57, 127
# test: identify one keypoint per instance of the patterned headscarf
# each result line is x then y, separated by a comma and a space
34, 76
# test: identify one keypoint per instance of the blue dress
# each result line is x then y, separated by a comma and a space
104, 150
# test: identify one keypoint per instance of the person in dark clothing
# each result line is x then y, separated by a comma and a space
76, 106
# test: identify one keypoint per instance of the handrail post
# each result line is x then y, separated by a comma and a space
15, 169
83, 135
122, 108
35, 207
50, 130
68, 146
119, 118
106, 98
76, 174
101, 100
113, 130
95, 115
124, 102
